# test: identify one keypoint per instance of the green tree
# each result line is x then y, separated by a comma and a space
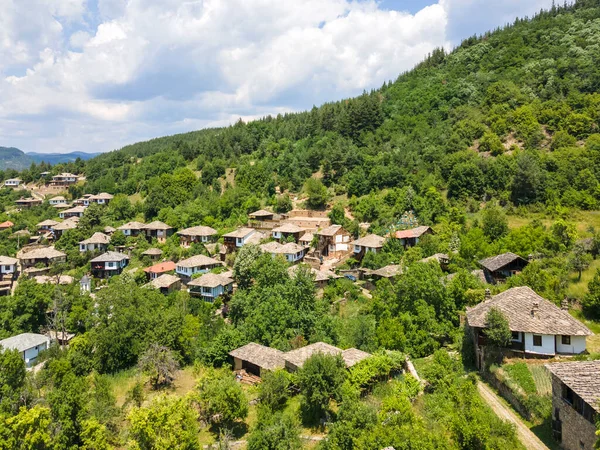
159, 363
167, 423
244, 264
120, 208
12, 379
30, 429
490, 142
497, 331
320, 380
494, 222
579, 260
274, 389
275, 431
591, 300
222, 400
317, 193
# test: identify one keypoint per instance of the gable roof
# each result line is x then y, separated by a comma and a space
353, 356
58, 198
240, 232
259, 355
8, 261
497, 262
389, 271
306, 237
166, 266
24, 341
261, 213
76, 209
299, 356
288, 228
47, 223
42, 253
157, 225
198, 261
412, 233
97, 238
270, 247
371, 241
132, 226
320, 275
153, 252
67, 224
518, 304
211, 280
102, 196
110, 257
163, 282
6, 224
583, 377
331, 230
198, 231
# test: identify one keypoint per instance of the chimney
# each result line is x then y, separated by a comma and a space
488, 294
530, 257
564, 305
535, 309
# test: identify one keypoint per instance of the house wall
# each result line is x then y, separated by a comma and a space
547, 347
189, 271
8, 269
31, 354
575, 429
578, 345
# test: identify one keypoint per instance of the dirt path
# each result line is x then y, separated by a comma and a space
526, 436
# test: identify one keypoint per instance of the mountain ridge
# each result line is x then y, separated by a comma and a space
16, 159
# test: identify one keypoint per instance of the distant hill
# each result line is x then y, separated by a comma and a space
13, 158
56, 158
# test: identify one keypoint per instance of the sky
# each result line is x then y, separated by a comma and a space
95, 75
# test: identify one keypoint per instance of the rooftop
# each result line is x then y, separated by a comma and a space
527, 312
68, 224
583, 377
240, 233
320, 275
211, 280
47, 223
494, 263
110, 257
97, 238
162, 267
306, 237
299, 356
164, 281
102, 196
371, 241
388, 271
75, 209
288, 228
331, 230
157, 225
42, 253
261, 213
412, 233
8, 261
23, 341
132, 226
198, 231
264, 357
153, 252
198, 261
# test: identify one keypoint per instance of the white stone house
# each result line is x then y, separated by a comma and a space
12, 182
186, 268
58, 200
29, 345
8, 266
97, 242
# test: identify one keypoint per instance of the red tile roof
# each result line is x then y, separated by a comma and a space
162, 267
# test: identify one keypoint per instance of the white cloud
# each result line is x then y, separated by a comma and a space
144, 68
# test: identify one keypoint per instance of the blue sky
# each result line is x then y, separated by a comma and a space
94, 75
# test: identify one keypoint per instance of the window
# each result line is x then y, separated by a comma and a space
567, 394
516, 336
537, 340
566, 340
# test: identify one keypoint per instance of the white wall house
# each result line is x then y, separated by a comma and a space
29, 345
12, 182
196, 264
210, 286
59, 200
8, 266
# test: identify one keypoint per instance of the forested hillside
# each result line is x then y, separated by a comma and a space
495, 146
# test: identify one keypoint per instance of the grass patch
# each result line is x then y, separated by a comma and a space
543, 383
577, 288
520, 374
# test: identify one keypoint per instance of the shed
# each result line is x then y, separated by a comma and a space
256, 359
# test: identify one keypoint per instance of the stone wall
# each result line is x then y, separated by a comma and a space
576, 430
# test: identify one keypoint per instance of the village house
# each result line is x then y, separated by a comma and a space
500, 267
76, 211
295, 359
539, 328
390, 272
306, 239
322, 277
575, 403
29, 345
334, 241
200, 234
8, 267
69, 224
371, 243
6, 225
287, 231
26, 203
165, 283
58, 200
257, 359
132, 229
240, 237
211, 286
12, 182
45, 226
157, 270
102, 198
109, 230
97, 242
153, 253
158, 230
308, 219
109, 264
40, 256
411, 237
291, 251
186, 268
441, 258
64, 180
85, 284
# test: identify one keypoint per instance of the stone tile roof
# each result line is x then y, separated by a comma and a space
102, 196
371, 241
412, 233
256, 237
109, 229
527, 312
264, 357
583, 377
494, 263
132, 226
110, 257
320, 275
299, 356
198, 261
76, 209
164, 281
270, 247
47, 223
240, 233
439, 257
288, 228
97, 238
157, 225
331, 230
261, 213
23, 341
42, 253
58, 198
291, 248
211, 280
8, 261
388, 271
153, 252
353, 356
198, 231
67, 224
307, 237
